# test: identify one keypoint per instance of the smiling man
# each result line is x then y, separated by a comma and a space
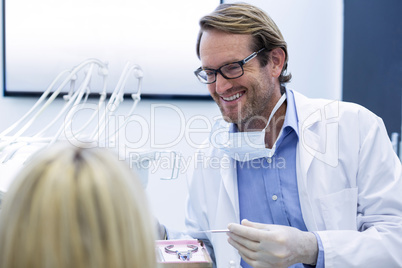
334, 200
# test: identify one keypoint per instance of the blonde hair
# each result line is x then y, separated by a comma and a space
74, 207
242, 18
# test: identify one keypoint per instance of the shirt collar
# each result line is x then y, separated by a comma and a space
291, 120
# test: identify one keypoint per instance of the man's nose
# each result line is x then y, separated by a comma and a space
221, 84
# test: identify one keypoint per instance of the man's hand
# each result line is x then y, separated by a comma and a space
268, 245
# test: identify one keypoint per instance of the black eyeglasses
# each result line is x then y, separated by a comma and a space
229, 71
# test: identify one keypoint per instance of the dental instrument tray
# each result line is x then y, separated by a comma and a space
182, 254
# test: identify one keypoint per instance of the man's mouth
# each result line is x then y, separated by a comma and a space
233, 97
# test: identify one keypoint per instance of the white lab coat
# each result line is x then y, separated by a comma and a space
349, 182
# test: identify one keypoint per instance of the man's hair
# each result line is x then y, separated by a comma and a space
242, 18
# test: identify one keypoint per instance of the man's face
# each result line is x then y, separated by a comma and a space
241, 99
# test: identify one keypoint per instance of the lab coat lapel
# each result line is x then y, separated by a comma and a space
308, 116
318, 130
229, 181
308, 140
303, 163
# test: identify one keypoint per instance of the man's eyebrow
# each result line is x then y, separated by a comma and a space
227, 62
207, 68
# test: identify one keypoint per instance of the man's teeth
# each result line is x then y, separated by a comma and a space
236, 96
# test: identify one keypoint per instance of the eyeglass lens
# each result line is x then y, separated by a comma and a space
229, 71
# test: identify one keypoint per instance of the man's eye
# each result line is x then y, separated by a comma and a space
232, 67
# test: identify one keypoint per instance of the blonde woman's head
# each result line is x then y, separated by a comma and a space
74, 207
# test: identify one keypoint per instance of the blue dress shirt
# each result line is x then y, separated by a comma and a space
268, 191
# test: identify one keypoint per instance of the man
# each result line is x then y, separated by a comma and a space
317, 180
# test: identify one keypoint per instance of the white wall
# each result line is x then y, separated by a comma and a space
313, 30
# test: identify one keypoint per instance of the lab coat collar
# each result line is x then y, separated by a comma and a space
309, 139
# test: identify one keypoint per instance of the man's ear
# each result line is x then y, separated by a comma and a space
277, 60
